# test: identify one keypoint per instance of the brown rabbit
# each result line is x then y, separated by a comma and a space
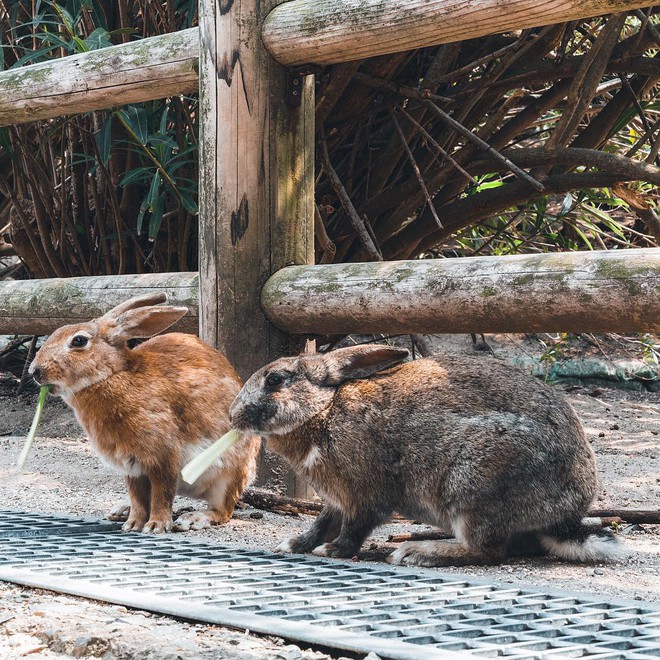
467, 444
149, 410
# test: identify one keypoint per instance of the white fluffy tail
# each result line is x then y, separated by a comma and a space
602, 546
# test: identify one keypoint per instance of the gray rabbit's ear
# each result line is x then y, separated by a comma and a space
143, 322
360, 362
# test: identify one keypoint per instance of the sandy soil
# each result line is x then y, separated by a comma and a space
63, 475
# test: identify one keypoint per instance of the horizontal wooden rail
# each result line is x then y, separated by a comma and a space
37, 307
330, 31
614, 291
141, 70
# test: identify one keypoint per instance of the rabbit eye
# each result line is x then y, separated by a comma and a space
79, 341
273, 380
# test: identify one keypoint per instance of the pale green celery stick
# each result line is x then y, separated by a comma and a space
35, 424
193, 470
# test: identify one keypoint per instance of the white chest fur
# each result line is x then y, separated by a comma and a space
126, 465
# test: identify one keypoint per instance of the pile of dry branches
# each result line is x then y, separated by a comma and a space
417, 146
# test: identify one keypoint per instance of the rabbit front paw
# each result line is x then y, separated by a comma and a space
134, 524
157, 526
119, 513
295, 545
333, 550
289, 546
192, 520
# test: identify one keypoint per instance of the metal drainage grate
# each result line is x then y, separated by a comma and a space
397, 613
20, 523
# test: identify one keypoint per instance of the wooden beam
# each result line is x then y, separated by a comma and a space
37, 307
613, 291
141, 70
256, 185
330, 31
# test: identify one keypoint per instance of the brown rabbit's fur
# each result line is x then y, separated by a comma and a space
466, 444
148, 410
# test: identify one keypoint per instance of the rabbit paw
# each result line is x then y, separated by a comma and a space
157, 526
133, 524
289, 546
415, 553
192, 520
120, 513
332, 550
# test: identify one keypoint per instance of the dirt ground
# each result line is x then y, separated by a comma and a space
63, 475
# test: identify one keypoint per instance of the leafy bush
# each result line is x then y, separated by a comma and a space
103, 192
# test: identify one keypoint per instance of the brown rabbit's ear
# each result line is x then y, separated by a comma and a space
133, 303
143, 322
360, 362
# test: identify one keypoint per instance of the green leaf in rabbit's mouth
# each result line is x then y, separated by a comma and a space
196, 467
43, 393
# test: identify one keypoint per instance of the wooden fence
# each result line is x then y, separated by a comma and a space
257, 185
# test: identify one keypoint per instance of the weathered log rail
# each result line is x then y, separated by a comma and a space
168, 64
322, 32
141, 70
608, 291
37, 307
567, 291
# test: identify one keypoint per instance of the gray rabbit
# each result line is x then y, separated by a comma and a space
467, 444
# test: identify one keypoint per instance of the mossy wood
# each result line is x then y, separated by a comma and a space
608, 291
256, 187
37, 307
141, 70
322, 32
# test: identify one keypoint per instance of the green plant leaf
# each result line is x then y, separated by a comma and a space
136, 118
104, 140
100, 38
156, 216
137, 175
162, 139
566, 206
188, 203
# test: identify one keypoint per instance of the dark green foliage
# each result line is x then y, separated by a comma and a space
104, 192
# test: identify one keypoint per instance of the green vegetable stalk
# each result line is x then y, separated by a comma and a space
33, 429
195, 468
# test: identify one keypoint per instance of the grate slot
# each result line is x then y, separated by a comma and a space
21, 524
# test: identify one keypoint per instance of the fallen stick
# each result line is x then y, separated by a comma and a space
640, 516
435, 535
263, 499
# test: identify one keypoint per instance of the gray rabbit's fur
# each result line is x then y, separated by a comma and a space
468, 444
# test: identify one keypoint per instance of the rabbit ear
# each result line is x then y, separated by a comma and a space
133, 303
360, 362
143, 322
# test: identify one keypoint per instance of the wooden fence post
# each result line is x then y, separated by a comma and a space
256, 187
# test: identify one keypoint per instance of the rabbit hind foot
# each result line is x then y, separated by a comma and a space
445, 553
200, 520
119, 513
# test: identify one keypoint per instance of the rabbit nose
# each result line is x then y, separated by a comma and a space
37, 374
